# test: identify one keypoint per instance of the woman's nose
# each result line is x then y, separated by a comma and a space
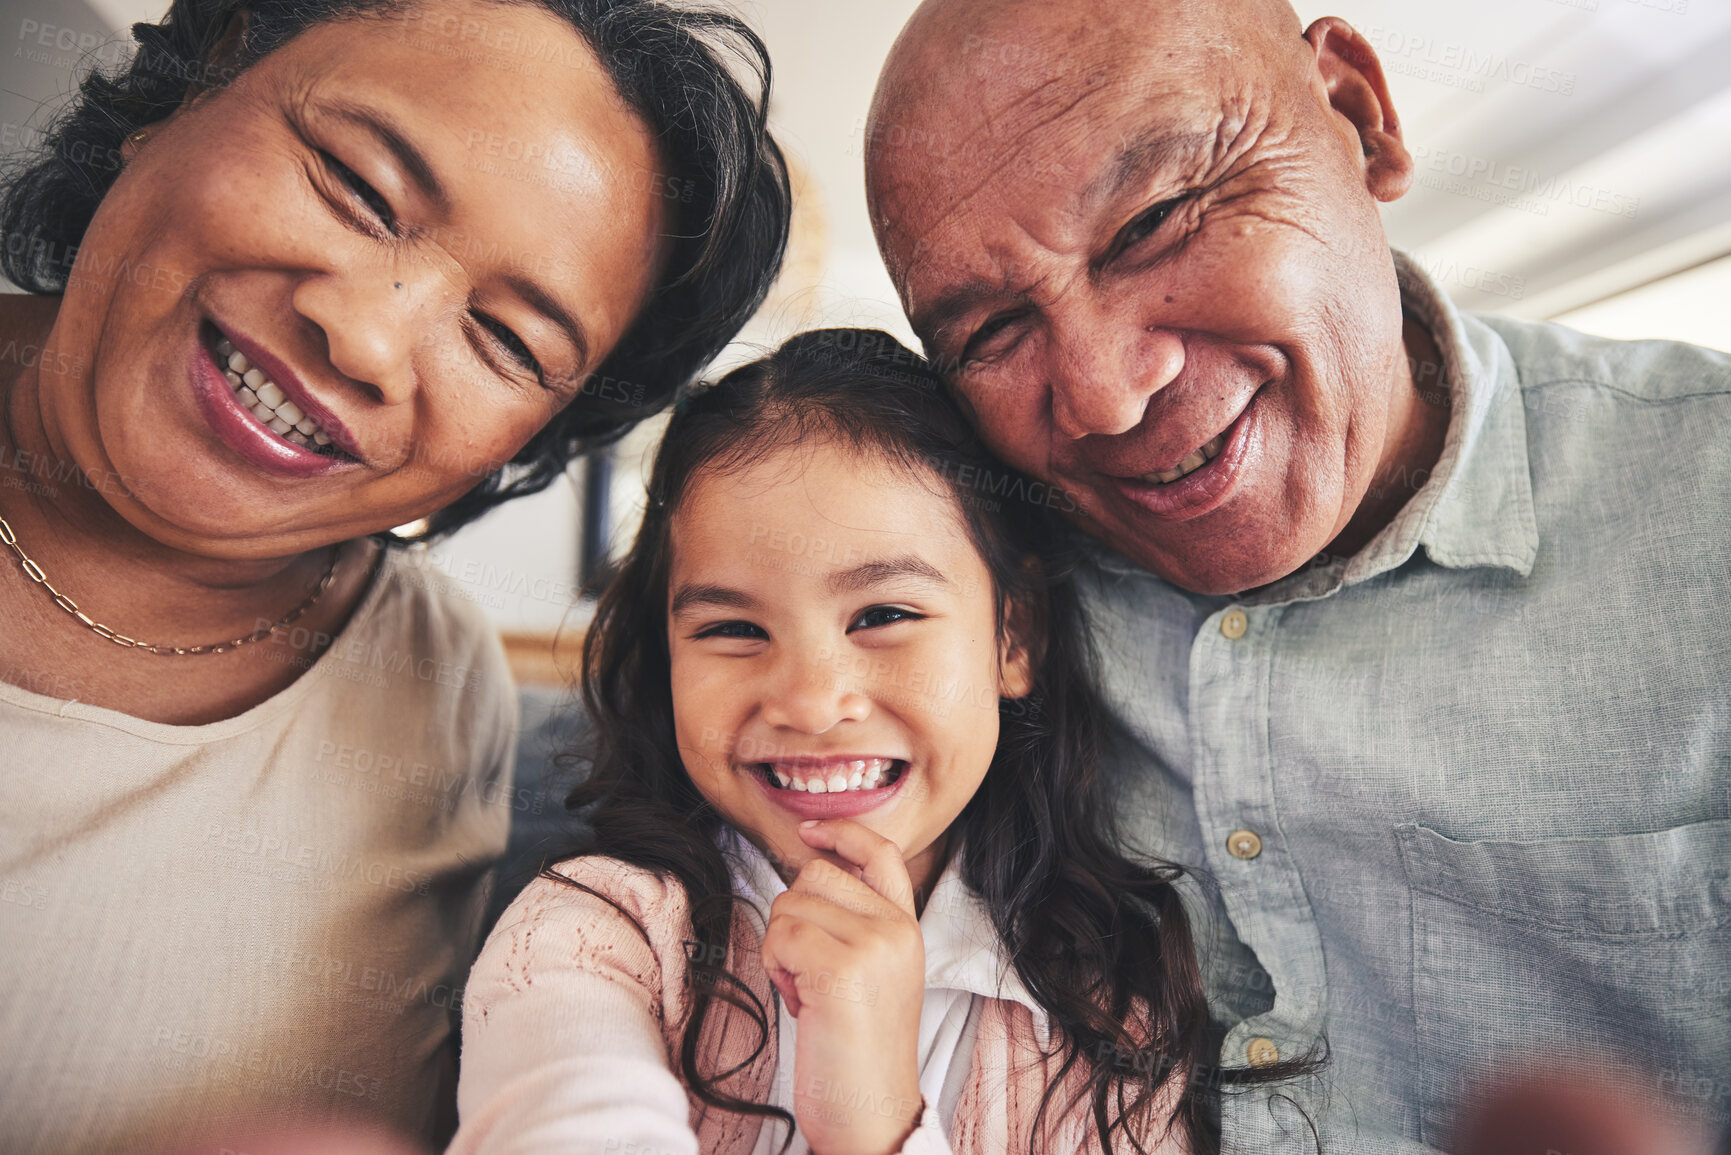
1104, 367
811, 694
368, 317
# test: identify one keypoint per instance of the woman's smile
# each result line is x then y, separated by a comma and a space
267, 416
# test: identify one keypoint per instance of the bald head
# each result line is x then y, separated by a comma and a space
960, 66
1141, 238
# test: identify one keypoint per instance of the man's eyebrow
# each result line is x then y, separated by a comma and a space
548, 306
719, 597
393, 140
1143, 155
873, 573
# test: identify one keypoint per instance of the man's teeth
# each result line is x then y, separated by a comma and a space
1197, 459
860, 774
266, 401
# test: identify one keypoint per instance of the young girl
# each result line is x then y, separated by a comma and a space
853, 885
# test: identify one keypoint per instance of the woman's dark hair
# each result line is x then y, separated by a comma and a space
1100, 938
670, 62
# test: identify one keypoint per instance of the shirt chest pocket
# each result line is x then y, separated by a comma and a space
1615, 950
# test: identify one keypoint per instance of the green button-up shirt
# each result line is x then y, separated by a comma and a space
1466, 796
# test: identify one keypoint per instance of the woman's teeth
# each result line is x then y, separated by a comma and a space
262, 397
1197, 459
860, 774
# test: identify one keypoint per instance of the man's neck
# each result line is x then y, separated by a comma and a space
1418, 422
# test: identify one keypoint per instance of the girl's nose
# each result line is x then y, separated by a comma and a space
369, 320
809, 695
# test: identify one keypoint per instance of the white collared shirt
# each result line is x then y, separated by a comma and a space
965, 961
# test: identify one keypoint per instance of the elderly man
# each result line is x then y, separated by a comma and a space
1414, 621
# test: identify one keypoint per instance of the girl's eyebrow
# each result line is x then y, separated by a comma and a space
720, 597
873, 573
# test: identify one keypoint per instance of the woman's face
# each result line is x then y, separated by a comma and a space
423, 230
835, 653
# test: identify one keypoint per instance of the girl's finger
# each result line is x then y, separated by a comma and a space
848, 917
879, 860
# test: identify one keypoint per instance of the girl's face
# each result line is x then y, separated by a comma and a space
424, 239
834, 651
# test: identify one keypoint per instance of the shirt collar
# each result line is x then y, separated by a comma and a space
963, 951
1476, 509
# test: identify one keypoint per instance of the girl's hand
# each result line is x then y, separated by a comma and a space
844, 949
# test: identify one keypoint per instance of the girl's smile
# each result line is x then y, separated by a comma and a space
834, 787
857, 680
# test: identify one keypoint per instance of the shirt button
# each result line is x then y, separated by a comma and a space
1233, 625
1244, 844
1262, 1052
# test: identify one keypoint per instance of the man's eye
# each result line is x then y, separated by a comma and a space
731, 630
980, 345
511, 343
1146, 224
879, 616
364, 192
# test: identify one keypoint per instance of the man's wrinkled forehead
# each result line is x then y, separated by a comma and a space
981, 93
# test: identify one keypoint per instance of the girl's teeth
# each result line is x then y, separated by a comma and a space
860, 774
266, 401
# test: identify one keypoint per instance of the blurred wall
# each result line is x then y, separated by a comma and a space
1574, 162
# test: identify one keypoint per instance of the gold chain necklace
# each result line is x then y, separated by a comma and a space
35, 574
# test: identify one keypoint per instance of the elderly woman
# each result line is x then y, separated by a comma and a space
305, 271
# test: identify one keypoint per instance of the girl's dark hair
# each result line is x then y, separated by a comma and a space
1100, 938
670, 62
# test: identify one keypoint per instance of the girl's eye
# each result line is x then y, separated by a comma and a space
879, 616
511, 343
364, 192
732, 630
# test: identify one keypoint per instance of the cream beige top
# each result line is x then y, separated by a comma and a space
203, 926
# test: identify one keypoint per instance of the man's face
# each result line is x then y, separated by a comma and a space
1142, 247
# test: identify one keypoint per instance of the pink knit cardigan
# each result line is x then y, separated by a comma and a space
994, 1116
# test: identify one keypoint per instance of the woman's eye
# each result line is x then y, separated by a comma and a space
364, 192
732, 630
511, 343
878, 616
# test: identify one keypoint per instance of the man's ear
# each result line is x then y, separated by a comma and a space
1356, 89
1019, 650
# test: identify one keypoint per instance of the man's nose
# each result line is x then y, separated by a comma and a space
810, 692
1104, 367
368, 317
